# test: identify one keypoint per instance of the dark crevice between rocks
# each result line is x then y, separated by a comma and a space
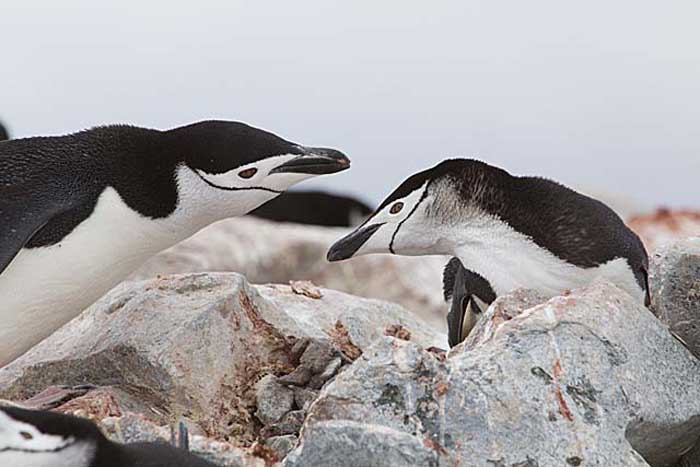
282, 401
663, 446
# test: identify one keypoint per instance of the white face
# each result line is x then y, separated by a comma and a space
21, 444
401, 227
257, 176
206, 197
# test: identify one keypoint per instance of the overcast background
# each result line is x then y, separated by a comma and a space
601, 95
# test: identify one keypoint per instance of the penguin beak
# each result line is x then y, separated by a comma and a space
315, 161
347, 246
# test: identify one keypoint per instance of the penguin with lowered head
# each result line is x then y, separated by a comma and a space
79, 213
510, 231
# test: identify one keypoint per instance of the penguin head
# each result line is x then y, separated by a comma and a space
419, 217
233, 156
39, 438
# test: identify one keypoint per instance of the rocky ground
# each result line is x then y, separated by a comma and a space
300, 376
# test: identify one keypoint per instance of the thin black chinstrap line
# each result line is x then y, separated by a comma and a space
236, 188
391, 243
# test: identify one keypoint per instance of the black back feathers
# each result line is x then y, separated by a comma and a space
576, 228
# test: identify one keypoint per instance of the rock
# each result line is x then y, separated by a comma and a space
289, 424
132, 428
319, 362
303, 397
270, 252
396, 330
503, 309
691, 458
665, 226
591, 378
273, 399
282, 444
306, 288
345, 443
197, 345
96, 405
675, 287
53, 396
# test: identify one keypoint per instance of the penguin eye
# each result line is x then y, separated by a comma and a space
26, 435
396, 208
247, 173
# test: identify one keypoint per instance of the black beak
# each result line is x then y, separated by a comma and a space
315, 161
348, 245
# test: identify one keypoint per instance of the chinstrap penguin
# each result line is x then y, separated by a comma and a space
79, 213
511, 231
32, 438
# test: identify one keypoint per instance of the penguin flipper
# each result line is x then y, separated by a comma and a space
466, 289
20, 220
455, 321
448, 277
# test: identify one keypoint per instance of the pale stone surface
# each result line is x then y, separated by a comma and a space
675, 280
576, 380
199, 345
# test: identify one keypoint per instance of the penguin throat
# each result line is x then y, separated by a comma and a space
507, 259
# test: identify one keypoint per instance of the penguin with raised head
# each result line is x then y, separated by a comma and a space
512, 231
33, 438
79, 213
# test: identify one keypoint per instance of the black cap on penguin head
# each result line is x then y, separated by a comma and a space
217, 147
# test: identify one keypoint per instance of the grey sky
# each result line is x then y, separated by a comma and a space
597, 94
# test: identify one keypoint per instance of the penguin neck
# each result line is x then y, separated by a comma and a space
200, 204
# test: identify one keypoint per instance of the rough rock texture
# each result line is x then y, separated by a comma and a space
573, 381
675, 279
665, 226
691, 458
269, 252
131, 428
207, 347
282, 444
274, 400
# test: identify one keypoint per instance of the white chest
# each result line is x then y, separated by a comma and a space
42, 288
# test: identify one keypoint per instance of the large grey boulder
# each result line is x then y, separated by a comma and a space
591, 378
269, 252
675, 285
203, 345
